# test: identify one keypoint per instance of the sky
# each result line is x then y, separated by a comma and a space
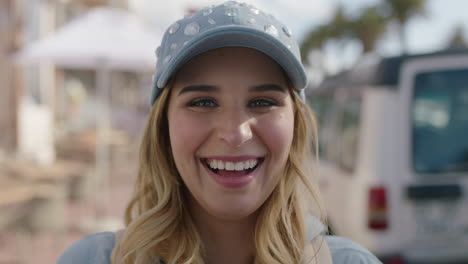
425, 34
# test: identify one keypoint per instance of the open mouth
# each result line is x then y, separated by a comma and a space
232, 169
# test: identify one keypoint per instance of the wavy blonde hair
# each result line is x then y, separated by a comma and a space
160, 227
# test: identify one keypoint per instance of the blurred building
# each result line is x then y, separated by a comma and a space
21, 22
10, 30
51, 162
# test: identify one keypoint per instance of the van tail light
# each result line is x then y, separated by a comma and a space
394, 260
378, 209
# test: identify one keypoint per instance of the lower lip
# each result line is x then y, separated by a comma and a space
234, 181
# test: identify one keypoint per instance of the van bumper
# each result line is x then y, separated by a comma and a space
399, 259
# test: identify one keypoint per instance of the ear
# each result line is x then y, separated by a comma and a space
317, 251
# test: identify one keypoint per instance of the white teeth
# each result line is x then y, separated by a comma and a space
220, 165
253, 163
229, 166
232, 166
239, 166
213, 164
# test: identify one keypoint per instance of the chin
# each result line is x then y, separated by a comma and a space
232, 210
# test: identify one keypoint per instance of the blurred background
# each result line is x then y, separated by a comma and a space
75, 78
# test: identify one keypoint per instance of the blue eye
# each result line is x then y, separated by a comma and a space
262, 103
202, 102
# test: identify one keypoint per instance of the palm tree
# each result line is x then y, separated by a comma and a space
333, 30
402, 11
339, 25
315, 39
457, 41
368, 28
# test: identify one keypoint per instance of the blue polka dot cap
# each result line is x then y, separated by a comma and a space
231, 24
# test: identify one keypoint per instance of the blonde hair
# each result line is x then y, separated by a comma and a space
160, 227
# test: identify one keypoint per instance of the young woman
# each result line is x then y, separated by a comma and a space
225, 162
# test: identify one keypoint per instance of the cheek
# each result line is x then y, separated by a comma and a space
186, 133
277, 133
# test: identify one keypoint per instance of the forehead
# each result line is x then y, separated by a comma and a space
231, 61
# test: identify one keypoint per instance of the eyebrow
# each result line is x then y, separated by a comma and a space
267, 87
212, 88
198, 88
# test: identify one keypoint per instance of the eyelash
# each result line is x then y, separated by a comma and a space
208, 102
202, 102
262, 102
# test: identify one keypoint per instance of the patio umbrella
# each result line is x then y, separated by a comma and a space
107, 36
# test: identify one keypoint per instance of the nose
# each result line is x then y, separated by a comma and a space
234, 128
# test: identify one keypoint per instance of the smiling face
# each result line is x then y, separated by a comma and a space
231, 124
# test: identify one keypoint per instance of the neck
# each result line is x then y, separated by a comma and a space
225, 241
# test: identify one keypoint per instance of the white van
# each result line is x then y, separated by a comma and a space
393, 168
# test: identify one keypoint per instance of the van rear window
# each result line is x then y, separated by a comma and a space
440, 121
